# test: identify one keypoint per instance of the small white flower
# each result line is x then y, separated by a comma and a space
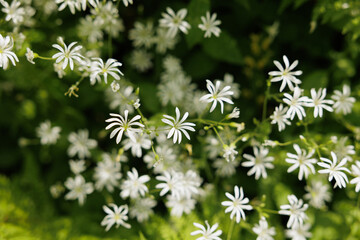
78, 189
317, 194
296, 210
124, 126
13, 11
6, 44
230, 153
210, 25
342, 150
280, 117
134, 186
208, 233
142, 141
77, 167
285, 75
216, 96
356, 172
259, 162
141, 60
80, 144
234, 114
98, 68
296, 103
263, 231
299, 232
180, 206
137, 104
30, 55
127, 2
318, 102
301, 160
237, 204
67, 55
178, 126
174, 22
115, 86
107, 173
142, 34
47, 134
172, 182
142, 209
335, 170
56, 190
225, 168
72, 4
116, 216
343, 102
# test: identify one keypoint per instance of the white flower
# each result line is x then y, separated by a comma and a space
166, 159
47, 134
115, 86
134, 186
263, 231
216, 96
116, 216
335, 170
208, 233
317, 194
299, 232
13, 11
280, 117
178, 126
343, 102
142, 209
356, 172
141, 60
124, 126
230, 153
296, 103
163, 41
172, 183
296, 210
80, 144
174, 22
301, 160
142, 34
180, 206
107, 173
77, 167
318, 102
234, 114
225, 168
210, 25
30, 55
98, 68
72, 4
127, 2
67, 55
259, 162
237, 204
342, 150
6, 44
142, 141
285, 75
78, 189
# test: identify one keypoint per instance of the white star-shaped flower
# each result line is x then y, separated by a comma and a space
237, 204
178, 126
285, 75
216, 95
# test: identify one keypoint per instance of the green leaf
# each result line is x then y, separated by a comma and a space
223, 48
196, 9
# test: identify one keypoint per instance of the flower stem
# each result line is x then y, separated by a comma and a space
267, 93
231, 228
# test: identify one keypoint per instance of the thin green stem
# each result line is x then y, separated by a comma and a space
267, 93
44, 58
231, 228
218, 135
